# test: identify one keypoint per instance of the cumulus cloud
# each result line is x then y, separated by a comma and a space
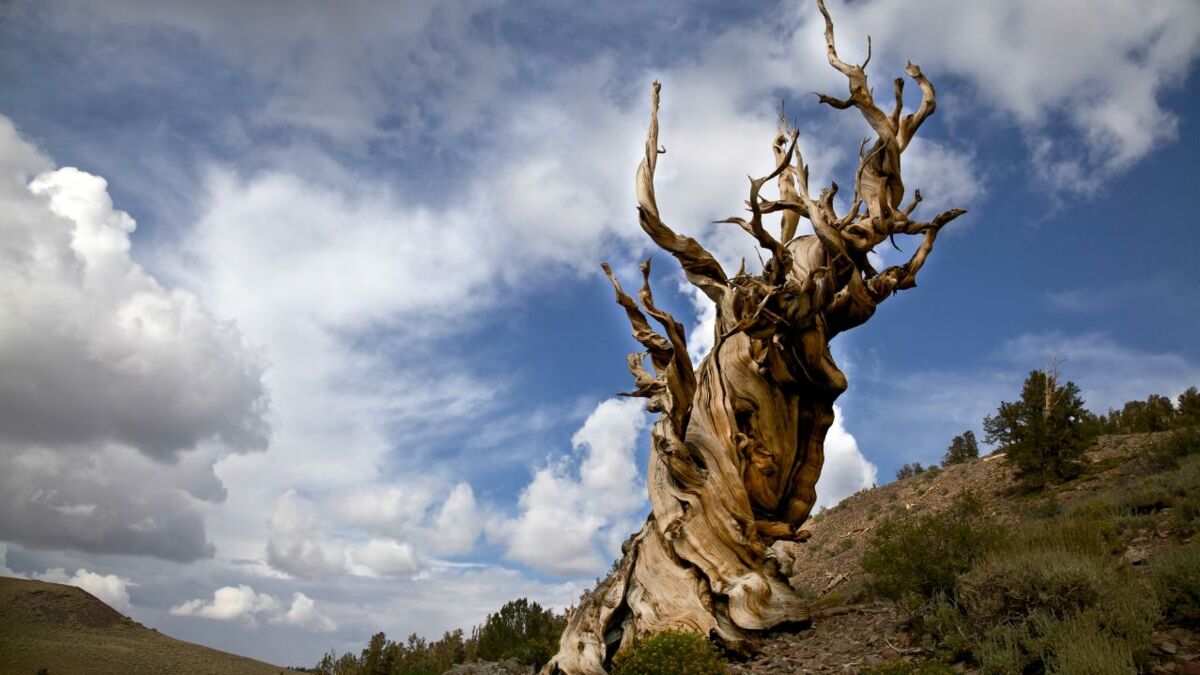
572, 524
101, 351
242, 603
297, 544
304, 614
846, 470
112, 379
229, 603
392, 510
385, 558
458, 524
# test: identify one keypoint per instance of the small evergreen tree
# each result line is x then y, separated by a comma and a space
1188, 408
1045, 432
963, 448
374, 660
521, 630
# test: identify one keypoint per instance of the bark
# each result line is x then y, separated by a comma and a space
739, 442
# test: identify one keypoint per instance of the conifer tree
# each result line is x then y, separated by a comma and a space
963, 448
1045, 432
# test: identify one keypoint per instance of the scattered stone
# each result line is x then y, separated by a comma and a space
506, 667
1136, 555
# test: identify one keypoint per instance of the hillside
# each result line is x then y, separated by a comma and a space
1147, 505
63, 630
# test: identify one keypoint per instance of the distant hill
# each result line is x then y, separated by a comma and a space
63, 630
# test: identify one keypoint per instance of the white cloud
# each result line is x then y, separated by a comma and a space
119, 393
572, 525
91, 320
845, 471
385, 557
394, 511
304, 614
296, 544
458, 524
229, 603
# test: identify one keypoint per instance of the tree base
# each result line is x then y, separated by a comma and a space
652, 589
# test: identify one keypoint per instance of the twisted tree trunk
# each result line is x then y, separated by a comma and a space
739, 443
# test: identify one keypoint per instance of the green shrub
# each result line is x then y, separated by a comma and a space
1015, 583
670, 653
943, 620
1185, 519
1047, 507
1169, 452
1081, 649
1176, 579
1082, 531
1011, 648
919, 558
1032, 604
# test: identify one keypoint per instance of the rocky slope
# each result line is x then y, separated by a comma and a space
852, 632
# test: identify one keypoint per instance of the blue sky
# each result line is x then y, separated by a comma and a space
354, 367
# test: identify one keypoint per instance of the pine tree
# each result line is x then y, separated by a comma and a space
1188, 407
963, 448
1044, 433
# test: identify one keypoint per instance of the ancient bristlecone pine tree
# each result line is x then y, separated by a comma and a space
738, 446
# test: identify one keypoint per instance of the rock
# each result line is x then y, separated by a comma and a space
506, 667
1135, 555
